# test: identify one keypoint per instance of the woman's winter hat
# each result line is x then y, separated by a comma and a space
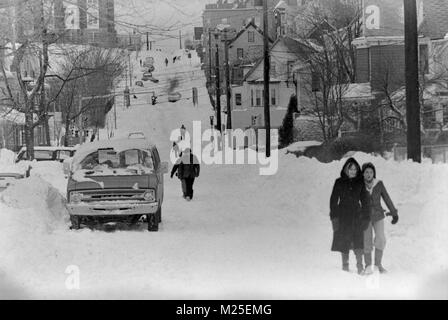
348, 163
368, 165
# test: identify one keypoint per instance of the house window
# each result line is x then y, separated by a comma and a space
257, 97
238, 99
315, 82
424, 59
240, 53
273, 98
289, 65
429, 117
251, 36
273, 69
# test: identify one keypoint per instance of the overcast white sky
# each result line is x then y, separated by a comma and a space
160, 16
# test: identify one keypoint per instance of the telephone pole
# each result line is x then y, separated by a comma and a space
267, 67
210, 56
147, 41
218, 90
180, 39
228, 93
412, 85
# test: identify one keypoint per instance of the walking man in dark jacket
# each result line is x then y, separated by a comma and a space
188, 168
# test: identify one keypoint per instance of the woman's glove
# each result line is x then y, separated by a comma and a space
335, 224
394, 216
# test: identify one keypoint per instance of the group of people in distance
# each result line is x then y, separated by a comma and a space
358, 218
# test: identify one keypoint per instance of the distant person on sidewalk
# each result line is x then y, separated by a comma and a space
174, 59
181, 137
375, 191
348, 214
188, 168
166, 62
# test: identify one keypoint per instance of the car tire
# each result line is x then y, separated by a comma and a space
76, 222
153, 225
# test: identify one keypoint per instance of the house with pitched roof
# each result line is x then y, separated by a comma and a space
248, 97
245, 49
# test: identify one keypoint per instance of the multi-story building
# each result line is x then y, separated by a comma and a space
380, 59
79, 21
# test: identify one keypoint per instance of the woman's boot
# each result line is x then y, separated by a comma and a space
378, 258
368, 262
344, 261
359, 266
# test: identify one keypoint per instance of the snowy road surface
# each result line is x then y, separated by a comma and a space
243, 236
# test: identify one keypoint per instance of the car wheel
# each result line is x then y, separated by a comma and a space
153, 225
76, 222
134, 219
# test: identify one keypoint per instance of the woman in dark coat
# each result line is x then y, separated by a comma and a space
348, 213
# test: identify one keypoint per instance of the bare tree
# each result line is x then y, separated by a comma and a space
87, 74
330, 70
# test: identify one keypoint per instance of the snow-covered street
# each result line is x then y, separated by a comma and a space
244, 235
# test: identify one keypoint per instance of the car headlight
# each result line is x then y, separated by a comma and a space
75, 197
149, 195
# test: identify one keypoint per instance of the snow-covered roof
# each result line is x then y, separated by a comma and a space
271, 80
119, 145
357, 91
14, 116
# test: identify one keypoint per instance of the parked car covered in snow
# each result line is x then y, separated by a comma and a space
118, 180
11, 173
45, 153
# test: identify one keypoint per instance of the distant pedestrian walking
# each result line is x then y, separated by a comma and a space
174, 59
166, 62
187, 168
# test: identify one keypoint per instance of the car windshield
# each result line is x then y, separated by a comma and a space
43, 154
110, 159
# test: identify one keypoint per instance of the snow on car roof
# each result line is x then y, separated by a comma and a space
119, 145
49, 148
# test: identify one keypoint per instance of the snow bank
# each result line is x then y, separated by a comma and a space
7, 157
31, 206
300, 146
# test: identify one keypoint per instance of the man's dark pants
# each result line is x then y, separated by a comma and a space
187, 187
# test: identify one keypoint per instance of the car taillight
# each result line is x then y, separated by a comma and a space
149, 195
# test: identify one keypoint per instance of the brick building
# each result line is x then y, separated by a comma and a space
380, 56
79, 21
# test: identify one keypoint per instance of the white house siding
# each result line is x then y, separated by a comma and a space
251, 50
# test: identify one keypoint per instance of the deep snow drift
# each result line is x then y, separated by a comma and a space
243, 236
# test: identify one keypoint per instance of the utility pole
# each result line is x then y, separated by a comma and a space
228, 93
412, 85
210, 56
147, 41
180, 39
267, 66
218, 90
